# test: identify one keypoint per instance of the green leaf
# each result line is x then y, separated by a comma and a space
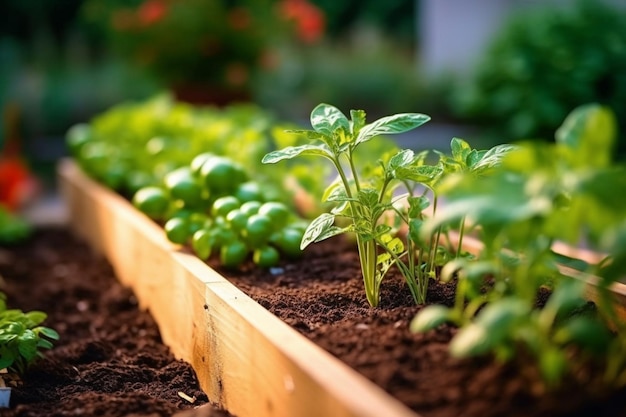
552, 364
589, 132
586, 332
48, 332
403, 158
424, 174
565, 298
293, 151
320, 227
492, 158
358, 121
28, 345
493, 326
329, 120
398, 123
460, 149
309, 134
472, 340
417, 205
430, 317
36, 317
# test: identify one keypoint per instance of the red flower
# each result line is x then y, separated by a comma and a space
309, 19
17, 185
151, 12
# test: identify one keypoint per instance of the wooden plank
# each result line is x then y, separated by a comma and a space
246, 359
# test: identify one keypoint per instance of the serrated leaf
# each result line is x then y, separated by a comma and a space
368, 197
398, 123
430, 317
309, 134
329, 120
293, 151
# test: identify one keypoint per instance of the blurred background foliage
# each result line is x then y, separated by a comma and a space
542, 64
64, 61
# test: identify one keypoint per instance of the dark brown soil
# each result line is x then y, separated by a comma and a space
323, 298
113, 363
110, 360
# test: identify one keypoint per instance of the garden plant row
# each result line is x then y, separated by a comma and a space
212, 179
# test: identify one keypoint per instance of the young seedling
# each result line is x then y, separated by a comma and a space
569, 191
22, 337
363, 200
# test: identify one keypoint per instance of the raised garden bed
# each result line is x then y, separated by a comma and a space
110, 360
255, 364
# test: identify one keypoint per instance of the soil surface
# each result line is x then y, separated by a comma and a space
323, 298
110, 360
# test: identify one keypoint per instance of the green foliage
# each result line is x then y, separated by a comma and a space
569, 191
136, 144
366, 193
22, 338
13, 229
545, 63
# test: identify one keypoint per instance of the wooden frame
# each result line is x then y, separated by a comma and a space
247, 360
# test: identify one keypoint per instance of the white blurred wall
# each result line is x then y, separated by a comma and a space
453, 33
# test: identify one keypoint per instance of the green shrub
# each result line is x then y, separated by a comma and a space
543, 64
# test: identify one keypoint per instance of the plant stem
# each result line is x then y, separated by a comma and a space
461, 234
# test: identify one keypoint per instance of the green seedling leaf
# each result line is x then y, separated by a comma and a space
425, 174
417, 205
398, 123
28, 345
553, 365
319, 229
35, 317
460, 150
472, 340
491, 328
48, 332
329, 120
589, 132
293, 151
566, 297
402, 159
358, 121
430, 317
486, 160
586, 332
336, 192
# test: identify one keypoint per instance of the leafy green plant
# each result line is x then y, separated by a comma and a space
365, 194
542, 64
569, 192
213, 206
22, 338
364, 201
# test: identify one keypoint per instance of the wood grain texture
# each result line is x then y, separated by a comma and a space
247, 360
